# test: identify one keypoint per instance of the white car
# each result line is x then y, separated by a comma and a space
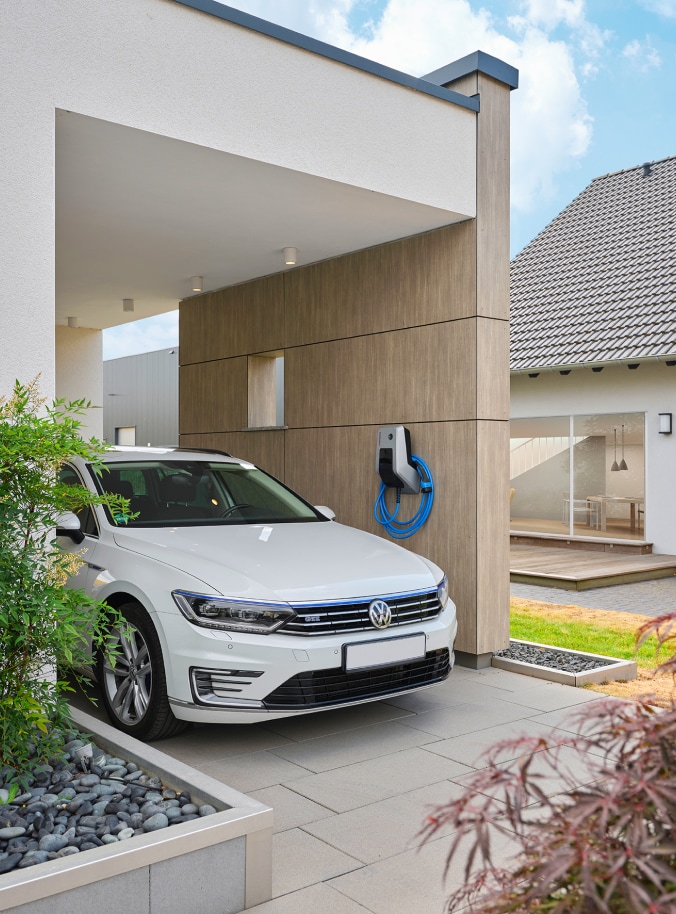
246, 603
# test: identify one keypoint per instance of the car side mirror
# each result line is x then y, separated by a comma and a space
68, 524
327, 512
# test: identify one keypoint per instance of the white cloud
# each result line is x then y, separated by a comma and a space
145, 335
642, 55
666, 8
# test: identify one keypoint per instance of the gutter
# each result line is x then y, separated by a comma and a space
609, 363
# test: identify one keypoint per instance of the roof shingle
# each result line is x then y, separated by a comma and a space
598, 284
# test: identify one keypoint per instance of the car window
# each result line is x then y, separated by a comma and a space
88, 525
188, 493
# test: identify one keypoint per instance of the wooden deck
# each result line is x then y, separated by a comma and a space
581, 569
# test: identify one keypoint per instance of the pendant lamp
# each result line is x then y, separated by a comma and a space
615, 467
623, 462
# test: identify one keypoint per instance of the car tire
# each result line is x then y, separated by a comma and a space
133, 684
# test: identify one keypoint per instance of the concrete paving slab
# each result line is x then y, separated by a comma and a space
209, 743
315, 899
324, 723
376, 779
465, 718
350, 746
292, 809
300, 860
550, 696
411, 882
253, 771
386, 828
471, 748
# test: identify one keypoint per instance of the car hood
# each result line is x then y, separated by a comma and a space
288, 562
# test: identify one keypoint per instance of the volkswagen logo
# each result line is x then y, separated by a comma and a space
380, 614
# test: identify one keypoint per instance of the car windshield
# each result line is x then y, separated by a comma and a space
188, 493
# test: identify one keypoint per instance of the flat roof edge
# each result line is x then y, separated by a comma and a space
477, 61
305, 43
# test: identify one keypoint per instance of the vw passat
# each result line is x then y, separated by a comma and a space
244, 602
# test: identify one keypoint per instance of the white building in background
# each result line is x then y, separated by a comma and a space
593, 360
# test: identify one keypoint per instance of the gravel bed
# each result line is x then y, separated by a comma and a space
76, 804
550, 658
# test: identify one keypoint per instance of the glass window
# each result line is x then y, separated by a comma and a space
166, 492
578, 476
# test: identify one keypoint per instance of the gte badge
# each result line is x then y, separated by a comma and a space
380, 614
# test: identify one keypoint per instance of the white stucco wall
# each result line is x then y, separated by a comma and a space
649, 389
79, 373
162, 67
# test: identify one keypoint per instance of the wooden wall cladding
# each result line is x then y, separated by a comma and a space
492, 553
424, 279
492, 368
242, 319
419, 375
493, 199
336, 467
265, 449
213, 396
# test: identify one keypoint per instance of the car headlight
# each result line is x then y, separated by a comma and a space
232, 615
442, 591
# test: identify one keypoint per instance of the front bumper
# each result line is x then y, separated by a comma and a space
223, 677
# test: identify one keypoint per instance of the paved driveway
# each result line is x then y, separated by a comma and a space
351, 787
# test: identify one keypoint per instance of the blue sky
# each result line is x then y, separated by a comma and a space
597, 90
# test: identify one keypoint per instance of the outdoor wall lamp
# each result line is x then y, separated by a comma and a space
290, 256
665, 423
197, 283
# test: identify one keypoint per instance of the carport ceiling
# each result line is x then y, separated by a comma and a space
138, 214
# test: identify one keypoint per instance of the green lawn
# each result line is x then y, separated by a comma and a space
608, 640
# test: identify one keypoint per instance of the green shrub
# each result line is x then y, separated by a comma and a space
42, 624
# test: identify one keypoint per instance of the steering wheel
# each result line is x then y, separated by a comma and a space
228, 511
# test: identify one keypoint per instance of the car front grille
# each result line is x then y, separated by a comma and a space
324, 688
353, 616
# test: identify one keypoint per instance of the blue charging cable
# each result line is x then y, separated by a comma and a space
402, 529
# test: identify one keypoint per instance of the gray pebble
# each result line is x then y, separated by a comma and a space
52, 842
206, 810
159, 820
125, 833
32, 857
6, 834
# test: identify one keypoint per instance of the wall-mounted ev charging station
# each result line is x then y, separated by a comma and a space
405, 472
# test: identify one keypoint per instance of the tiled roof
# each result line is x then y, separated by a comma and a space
598, 284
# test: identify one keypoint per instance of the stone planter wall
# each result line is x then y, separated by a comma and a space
219, 864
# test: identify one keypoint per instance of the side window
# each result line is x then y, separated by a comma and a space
71, 477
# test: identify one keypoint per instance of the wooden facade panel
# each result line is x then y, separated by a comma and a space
492, 369
424, 279
264, 448
213, 396
492, 554
243, 319
336, 467
492, 276
424, 374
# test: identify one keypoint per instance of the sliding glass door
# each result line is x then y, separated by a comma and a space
578, 476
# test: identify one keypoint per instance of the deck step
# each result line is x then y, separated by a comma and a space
582, 543
582, 569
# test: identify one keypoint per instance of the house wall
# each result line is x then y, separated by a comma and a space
649, 389
118, 61
79, 374
142, 391
388, 335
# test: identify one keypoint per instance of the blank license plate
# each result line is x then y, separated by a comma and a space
382, 653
